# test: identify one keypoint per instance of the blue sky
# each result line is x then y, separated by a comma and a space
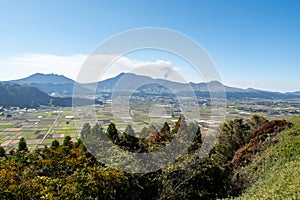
253, 43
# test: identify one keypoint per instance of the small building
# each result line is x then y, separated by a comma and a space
69, 117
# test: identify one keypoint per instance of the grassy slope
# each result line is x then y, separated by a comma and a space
277, 171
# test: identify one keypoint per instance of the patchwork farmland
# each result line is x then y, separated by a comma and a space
38, 127
41, 126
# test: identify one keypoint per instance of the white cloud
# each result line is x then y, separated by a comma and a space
21, 66
71, 66
157, 69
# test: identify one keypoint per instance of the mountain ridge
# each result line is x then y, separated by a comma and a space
15, 95
44, 78
60, 85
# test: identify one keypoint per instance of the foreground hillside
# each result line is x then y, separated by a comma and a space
22, 96
254, 159
276, 172
30, 97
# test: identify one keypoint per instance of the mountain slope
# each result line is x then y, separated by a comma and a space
44, 78
31, 97
276, 170
129, 81
22, 96
52, 84
295, 93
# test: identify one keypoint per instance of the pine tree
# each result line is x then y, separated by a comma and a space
2, 152
67, 141
86, 129
55, 144
195, 129
22, 145
112, 133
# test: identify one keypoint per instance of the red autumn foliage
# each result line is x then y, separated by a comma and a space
268, 129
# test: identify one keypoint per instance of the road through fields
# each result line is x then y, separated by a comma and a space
50, 129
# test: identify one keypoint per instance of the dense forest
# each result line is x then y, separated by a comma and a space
70, 171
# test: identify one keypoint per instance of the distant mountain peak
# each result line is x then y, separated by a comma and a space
44, 78
250, 89
215, 83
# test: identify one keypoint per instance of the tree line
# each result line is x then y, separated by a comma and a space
70, 170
